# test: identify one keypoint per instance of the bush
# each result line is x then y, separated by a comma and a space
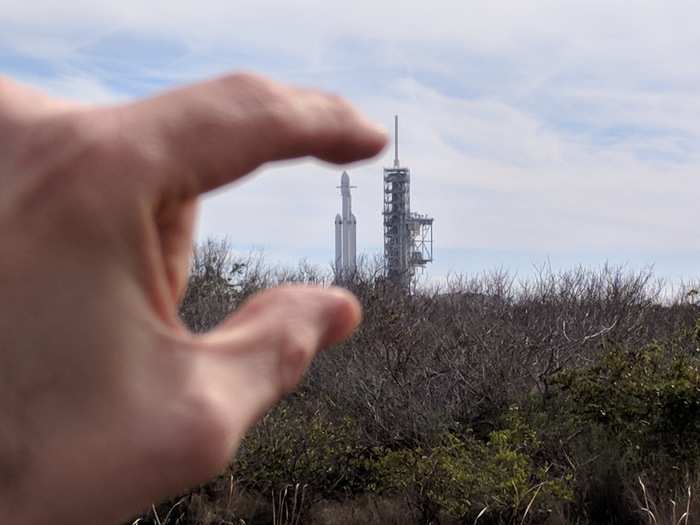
291, 446
466, 479
538, 401
648, 400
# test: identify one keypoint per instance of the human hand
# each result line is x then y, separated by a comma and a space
107, 402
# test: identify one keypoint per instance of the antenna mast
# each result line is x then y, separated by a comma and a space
396, 141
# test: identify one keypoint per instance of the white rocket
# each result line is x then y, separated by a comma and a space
345, 229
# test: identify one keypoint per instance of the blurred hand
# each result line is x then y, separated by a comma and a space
107, 402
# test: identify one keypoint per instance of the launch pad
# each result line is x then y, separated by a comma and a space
408, 236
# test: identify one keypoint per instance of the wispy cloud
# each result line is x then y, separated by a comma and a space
561, 129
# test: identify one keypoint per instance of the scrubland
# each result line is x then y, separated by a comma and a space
566, 398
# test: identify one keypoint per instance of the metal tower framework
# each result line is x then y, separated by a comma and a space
408, 237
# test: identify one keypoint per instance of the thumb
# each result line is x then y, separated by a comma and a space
261, 352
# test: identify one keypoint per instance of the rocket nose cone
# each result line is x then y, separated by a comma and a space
338, 219
345, 179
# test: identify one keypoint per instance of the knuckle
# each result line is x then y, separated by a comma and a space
98, 138
246, 78
47, 141
253, 88
66, 162
191, 440
330, 101
341, 107
202, 447
267, 103
66, 147
296, 349
5, 83
337, 101
283, 300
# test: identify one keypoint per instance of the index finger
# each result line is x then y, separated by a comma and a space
209, 134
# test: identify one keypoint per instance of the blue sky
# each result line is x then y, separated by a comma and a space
562, 131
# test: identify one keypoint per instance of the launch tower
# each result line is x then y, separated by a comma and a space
408, 236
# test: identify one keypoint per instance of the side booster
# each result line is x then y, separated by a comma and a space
345, 232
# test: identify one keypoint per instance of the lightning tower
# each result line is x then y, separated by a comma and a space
345, 233
408, 236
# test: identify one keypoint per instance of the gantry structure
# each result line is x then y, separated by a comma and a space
408, 236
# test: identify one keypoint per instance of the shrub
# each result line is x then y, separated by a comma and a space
416, 412
291, 447
647, 400
466, 478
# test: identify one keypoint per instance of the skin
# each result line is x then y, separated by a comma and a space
107, 402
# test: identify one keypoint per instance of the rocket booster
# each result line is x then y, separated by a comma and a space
345, 232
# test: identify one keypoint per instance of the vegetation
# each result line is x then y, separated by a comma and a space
571, 398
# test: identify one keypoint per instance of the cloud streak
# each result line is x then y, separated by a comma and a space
533, 130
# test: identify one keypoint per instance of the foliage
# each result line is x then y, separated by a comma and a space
464, 477
293, 447
648, 399
539, 401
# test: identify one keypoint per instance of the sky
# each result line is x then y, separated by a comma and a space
558, 132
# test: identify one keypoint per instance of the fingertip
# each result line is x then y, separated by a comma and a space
380, 134
373, 139
378, 140
346, 315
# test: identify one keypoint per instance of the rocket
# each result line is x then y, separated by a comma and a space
345, 232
